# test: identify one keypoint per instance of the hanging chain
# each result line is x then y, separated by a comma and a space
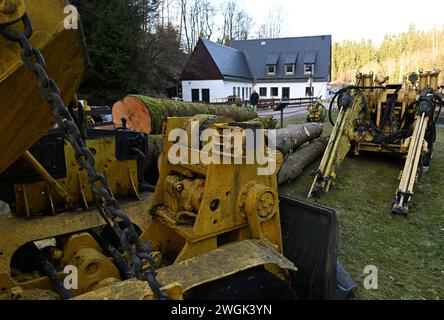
138, 251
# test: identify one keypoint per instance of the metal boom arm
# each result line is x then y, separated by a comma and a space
417, 147
338, 146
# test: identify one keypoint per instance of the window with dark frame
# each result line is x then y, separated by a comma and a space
308, 69
274, 92
309, 92
289, 69
263, 92
271, 69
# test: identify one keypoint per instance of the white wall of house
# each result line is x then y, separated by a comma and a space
219, 89
297, 89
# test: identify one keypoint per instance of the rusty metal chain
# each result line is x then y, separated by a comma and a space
138, 251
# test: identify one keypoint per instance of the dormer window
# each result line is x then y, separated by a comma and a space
309, 62
289, 69
309, 69
271, 69
271, 63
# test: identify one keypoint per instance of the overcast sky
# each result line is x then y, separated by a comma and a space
348, 19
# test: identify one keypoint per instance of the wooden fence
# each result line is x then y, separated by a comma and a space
268, 103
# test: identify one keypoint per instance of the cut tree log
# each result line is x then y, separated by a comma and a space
290, 138
155, 148
135, 113
145, 114
295, 164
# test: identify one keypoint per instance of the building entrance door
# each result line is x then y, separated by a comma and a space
195, 95
206, 95
285, 93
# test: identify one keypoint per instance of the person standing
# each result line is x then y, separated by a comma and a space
254, 100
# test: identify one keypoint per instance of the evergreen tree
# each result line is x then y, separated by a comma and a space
112, 31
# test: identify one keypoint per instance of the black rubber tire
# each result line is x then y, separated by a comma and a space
253, 284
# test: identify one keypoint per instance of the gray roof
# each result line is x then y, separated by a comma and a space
230, 61
272, 59
310, 57
291, 58
316, 49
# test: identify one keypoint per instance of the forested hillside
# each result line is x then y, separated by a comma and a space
396, 56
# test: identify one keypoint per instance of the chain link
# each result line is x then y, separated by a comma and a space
137, 251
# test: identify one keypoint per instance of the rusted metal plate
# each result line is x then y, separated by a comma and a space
218, 264
223, 262
131, 290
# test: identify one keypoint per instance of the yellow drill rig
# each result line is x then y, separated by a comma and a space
208, 231
384, 118
316, 111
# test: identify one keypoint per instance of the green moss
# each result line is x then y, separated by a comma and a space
161, 109
407, 251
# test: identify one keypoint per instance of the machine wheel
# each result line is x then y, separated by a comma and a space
253, 284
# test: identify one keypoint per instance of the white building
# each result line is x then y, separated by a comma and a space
275, 68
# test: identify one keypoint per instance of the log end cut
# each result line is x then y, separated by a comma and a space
135, 112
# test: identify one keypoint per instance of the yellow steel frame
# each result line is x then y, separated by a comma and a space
228, 207
25, 116
345, 138
18, 231
73, 191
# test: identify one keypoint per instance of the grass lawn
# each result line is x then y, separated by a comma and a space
408, 252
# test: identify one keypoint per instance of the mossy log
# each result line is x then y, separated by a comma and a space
145, 114
152, 163
290, 138
295, 164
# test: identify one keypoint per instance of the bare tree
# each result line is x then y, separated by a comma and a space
166, 8
272, 27
184, 24
242, 26
208, 13
228, 10
236, 23
197, 20
160, 59
262, 31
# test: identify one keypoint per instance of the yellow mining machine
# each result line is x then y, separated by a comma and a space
376, 117
316, 111
82, 223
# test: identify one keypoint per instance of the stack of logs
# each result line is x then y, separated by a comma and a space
299, 144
